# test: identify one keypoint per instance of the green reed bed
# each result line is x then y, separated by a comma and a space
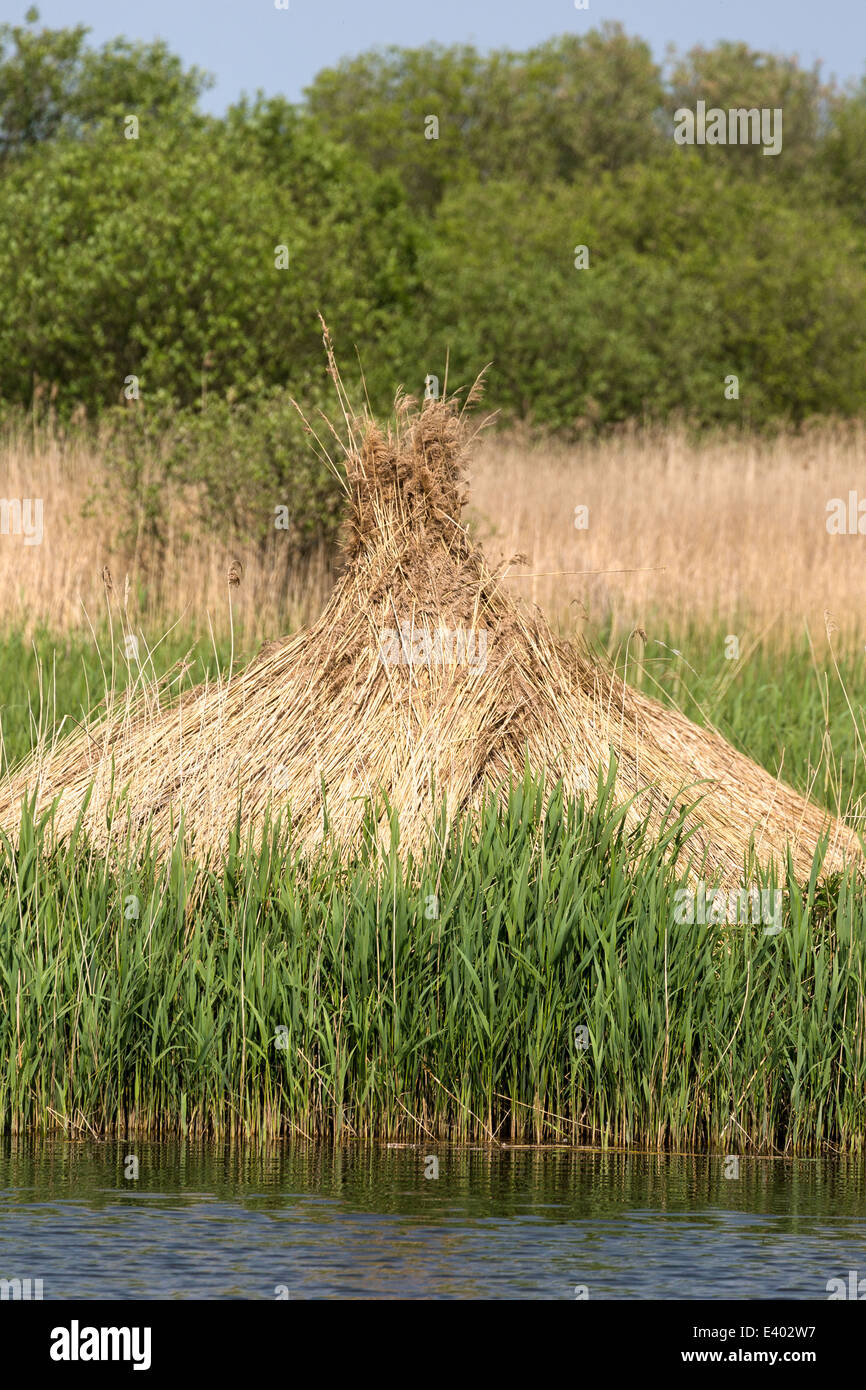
791, 702
527, 980
49, 683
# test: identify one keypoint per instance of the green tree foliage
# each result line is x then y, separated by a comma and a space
571, 104
845, 154
52, 84
157, 258
693, 276
734, 75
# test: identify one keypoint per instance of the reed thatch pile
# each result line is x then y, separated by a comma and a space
424, 679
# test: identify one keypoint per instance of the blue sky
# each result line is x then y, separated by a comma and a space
249, 44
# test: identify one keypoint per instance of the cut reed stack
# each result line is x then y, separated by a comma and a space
423, 681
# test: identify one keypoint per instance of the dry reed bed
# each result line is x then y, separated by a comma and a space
57, 585
679, 530
718, 530
322, 722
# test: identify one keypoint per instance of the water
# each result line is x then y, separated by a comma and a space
232, 1222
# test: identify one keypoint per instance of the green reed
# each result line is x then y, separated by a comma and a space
526, 979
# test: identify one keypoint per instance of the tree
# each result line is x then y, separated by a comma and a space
693, 274
844, 160
732, 75
158, 258
570, 104
53, 85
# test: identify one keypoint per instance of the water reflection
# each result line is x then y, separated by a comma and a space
363, 1221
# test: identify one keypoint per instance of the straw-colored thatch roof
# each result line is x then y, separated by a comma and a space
423, 678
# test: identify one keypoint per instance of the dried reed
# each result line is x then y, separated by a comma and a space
387, 694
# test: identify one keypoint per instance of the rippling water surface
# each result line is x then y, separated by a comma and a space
240, 1222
